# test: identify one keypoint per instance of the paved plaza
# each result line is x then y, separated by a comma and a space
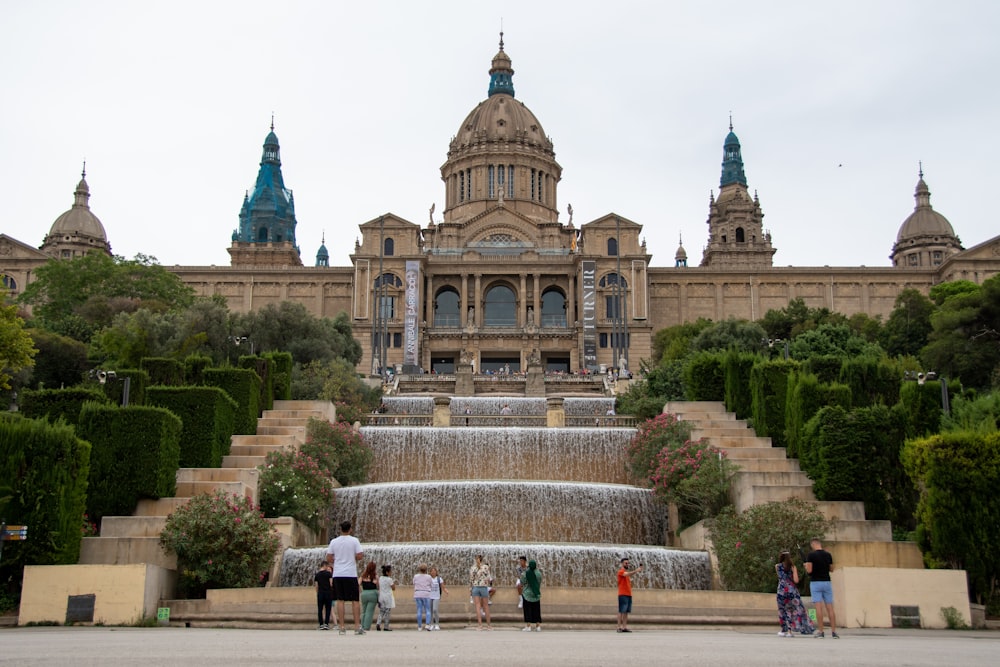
746, 647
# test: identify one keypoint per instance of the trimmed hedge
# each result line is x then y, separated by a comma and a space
138, 381
282, 374
824, 366
737, 366
872, 381
264, 367
704, 377
806, 395
769, 384
136, 453
163, 371
45, 468
54, 404
922, 406
208, 416
243, 386
194, 369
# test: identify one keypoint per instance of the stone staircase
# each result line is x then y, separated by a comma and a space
767, 474
135, 539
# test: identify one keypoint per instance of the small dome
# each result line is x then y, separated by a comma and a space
501, 118
924, 222
79, 221
681, 253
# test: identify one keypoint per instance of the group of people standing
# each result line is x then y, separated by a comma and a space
337, 581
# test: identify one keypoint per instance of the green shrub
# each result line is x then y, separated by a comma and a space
737, 367
651, 437
207, 414
824, 366
54, 404
704, 377
872, 381
282, 370
338, 449
922, 406
747, 544
293, 484
194, 369
135, 454
695, 476
958, 474
138, 380
264, 368
243, 386
163, 371
769, 385
221, 541
44, 468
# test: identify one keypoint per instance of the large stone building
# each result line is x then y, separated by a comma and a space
498, 279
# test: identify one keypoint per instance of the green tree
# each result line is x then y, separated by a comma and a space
16, 347
733, 334
965, 341
674, 343
333, 380
832, 339
61, 361
797, 318
944, 291
958, 474
289, 327
909, 324
95, 287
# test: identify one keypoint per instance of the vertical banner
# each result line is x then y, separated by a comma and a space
589, 314
410, 351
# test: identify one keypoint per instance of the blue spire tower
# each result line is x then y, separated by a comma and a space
266, 235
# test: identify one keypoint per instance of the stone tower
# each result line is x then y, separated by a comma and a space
736, 237
266, 235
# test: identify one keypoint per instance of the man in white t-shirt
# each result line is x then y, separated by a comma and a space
345, 552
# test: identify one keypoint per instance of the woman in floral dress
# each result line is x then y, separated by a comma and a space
791, 613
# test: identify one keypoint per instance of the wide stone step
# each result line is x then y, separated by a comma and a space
257, 450
860, 531
706, 407
765, 465
161, 507
713, 422
249, 476
875, 554
282, 421
842, 510
299, 432
125, 551
721, 433
738, 454
758, 495
742, 441
325, 409
190, 489
132, 526
274, 440
746, 478
231, 461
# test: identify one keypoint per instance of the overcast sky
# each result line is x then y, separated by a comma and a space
169, 104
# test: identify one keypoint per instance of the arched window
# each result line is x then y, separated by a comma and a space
9, 282
389, 280
553, 309
390, 247
612, 247
446, 308
613, 279
500, 307
740, 238
386, 296
262, 235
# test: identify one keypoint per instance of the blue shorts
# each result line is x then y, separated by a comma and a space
821, 591
481, 591
624, 604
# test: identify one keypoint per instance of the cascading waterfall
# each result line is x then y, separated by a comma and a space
563, 564
410, 405
503, 488
481, 510
410, 454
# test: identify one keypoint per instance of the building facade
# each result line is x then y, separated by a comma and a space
497, 280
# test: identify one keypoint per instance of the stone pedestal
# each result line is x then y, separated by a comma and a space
535, 386
464, 385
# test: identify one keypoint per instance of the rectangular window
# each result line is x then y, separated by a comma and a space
533, 174
489, 181
611, 304
397, 340
603, 340
461, 186
510, 181
388, 308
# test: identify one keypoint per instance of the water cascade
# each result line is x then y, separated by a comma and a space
559, 495
409, 405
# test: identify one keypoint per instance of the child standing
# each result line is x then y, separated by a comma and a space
386, 598
437, 590
323, 581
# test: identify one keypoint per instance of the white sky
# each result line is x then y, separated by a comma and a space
169, 103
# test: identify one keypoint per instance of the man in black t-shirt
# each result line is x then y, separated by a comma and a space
819, 565
324, 594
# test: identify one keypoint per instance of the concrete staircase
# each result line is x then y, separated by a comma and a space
767, 475
136, 539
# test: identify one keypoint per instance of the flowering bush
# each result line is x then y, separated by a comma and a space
652, 436
221, 541
747, 545
350, 412
89, 528
338, 449
695, 476
292, 483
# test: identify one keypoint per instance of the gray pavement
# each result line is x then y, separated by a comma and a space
747, 647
